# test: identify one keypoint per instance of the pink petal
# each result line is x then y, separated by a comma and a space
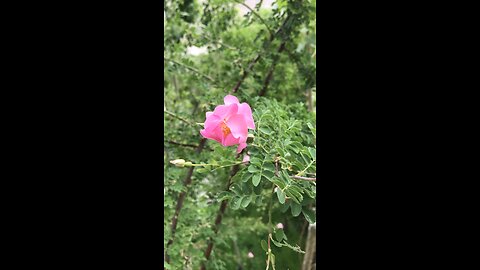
240, 147
225, 111
238, 126
229, 99
212, 122
229, 140
208, 114
212, 129
245, 110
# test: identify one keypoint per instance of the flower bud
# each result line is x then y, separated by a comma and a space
250, 255
178, 162
279, 226
188, 164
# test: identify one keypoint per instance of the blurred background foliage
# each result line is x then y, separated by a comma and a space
263, 52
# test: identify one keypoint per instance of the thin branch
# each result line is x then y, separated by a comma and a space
269, 77
257, 15
303, 178
179, 118
182, 144
189, 68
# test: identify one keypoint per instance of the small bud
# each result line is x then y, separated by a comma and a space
250, 255
178, 162
250, 138
279, 226
246, 158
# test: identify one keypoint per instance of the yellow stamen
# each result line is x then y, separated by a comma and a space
225, 129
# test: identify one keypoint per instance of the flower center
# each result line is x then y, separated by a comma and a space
225, 128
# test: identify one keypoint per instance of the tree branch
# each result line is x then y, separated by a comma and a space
269, 77
303, 178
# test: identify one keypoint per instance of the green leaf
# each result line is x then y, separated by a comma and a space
313, 152
263, 243
268, 174
246, 176
296, 209
279, 235
246, 201
266, 130
256, 179
269, 166
281, 196
253, 169
236, 201
256, 161
278, 244
309, 215
167, 266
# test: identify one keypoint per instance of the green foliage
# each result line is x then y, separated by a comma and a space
276, 186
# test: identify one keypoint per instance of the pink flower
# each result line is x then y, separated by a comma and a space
279, 226
228, 124
250, 255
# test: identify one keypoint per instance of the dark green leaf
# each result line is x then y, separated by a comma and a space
296, 209
263, 243
246, 201
279, 235
309, 215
